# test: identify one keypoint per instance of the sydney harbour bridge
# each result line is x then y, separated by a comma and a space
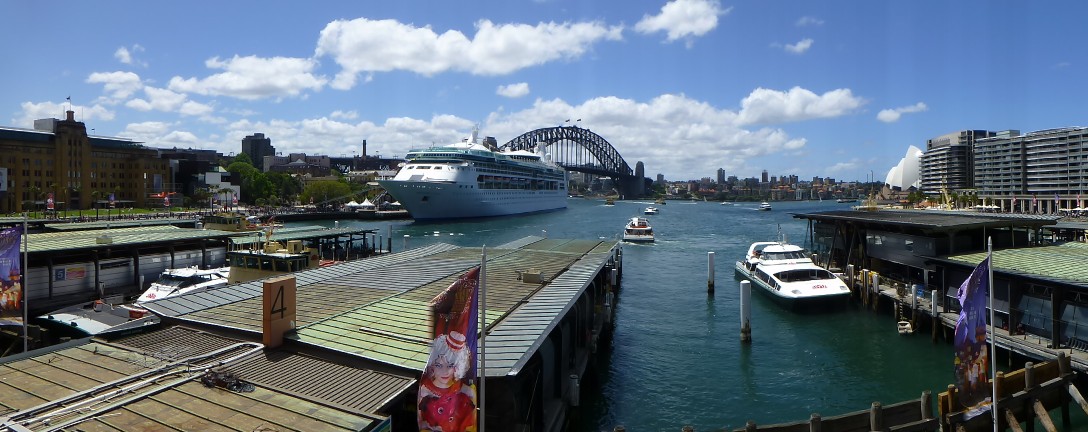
580, 150
571, 147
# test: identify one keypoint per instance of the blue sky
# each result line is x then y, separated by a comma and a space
828, 88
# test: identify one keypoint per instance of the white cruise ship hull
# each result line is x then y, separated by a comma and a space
434, 200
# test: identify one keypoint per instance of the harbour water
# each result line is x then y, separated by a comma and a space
676, 358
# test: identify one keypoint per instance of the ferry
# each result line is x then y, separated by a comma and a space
788, 276
638, 230
468, 179
650, 210
271, 260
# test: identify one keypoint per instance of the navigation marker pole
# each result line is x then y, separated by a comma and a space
483, 332
993, 335
22, 279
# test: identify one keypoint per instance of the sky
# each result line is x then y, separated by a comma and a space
837, 88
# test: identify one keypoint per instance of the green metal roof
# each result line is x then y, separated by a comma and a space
123, 223
1063, 263
59, 241
376, 308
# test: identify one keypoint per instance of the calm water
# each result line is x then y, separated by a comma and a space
676, 357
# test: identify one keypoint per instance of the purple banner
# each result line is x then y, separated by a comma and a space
11, 282
447, 390
972, 352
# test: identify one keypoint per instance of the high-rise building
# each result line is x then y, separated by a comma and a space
948, 161
1041, 171
721, 176
764, 177
257, 147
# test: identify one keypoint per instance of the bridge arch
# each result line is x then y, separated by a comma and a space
575, 149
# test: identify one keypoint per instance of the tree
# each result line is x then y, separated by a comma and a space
326, 192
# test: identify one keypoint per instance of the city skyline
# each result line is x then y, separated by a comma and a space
836, 89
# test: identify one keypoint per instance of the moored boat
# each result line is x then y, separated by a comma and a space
468, 179
638, 230
183, 280
788, 275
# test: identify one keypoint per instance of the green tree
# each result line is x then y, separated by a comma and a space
327, 192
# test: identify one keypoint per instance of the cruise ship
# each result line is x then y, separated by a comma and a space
468, 179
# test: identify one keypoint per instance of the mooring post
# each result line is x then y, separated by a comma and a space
876, 290
927, 405
814, 422
1029, 375
710, 272
850, 277
952, 402
405, 242
1064, 396
933, 315
876, 417
745, 311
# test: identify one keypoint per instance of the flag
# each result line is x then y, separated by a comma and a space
113, 201
972, 355
11, 284
49, 201
234, 199
69, 98
447, 390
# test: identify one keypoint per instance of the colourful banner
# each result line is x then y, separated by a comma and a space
113, 202
49, 201
447, 390
166, 201
11, 283
972, 352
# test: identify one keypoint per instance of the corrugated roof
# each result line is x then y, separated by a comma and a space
298, 233
164, 394
932, 220
1065, 263
376, 308
119, 223
58, 241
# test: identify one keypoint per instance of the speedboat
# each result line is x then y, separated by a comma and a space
638, 230
183, 280
765, 206
789, 276
651, 210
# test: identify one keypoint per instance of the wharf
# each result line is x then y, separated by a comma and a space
357, 348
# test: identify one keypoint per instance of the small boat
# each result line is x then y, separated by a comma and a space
764, 206
610, 201
638, 230
728, 203
183, 280
846, 200
904, 327
787, 274
650, 210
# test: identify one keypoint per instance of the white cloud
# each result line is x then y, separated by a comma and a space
117, 85
799, 47
513, 90
165, 100
681, 19
162, 135
124, 55
34, 111
365, 46
766, 106
253, 78
809, 21
345, 115
893, 115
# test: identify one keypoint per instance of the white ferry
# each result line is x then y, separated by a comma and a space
784, 272
468, 179
638, 230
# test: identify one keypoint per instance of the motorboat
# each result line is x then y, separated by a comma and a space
650, 210
609, 201
183, 280
787, 274
765, 206
846, 200
638, 230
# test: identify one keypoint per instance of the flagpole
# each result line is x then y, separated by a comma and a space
993, 335
483, 332
22, 287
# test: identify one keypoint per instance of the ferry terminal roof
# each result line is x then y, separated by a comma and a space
376, 308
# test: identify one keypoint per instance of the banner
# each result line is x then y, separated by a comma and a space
11, 282
113, 201
447, 390
49, 201
971, 350
166, 201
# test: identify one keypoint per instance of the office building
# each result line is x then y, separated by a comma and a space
948, 164
258, 147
